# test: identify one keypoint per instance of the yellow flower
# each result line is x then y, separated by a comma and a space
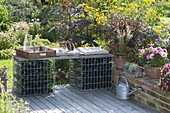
157, 30
155, 16
121, 8
162, 25
130, 5
97, 9
145, 1
152, 0
98, 1
167, 3
114, 7
136, 9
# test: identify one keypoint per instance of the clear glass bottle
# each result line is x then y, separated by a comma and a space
26, 43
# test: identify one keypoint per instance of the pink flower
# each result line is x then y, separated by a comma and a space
148, 57
142, 51
164, 50
163, 54
149, 45
151, 56
168, 65
155, 51
151, 49
159, 49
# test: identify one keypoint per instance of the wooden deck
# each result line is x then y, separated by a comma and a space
68, 99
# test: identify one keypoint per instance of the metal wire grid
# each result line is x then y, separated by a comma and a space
32, 77
87, 72
92, 73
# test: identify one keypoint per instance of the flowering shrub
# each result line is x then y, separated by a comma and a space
7, 40
164, 81
153, 56
20, 28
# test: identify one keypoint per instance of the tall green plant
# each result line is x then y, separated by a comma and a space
8, 102
4, 18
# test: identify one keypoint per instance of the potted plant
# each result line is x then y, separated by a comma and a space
164, 81
153, 58
122, 33
132, 69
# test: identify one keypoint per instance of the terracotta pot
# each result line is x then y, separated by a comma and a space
119, 61
153, 72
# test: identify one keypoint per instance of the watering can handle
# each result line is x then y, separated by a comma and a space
121, 76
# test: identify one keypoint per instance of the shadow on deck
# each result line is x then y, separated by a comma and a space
68, 99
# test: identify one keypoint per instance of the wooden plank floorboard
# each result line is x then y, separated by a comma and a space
97, 101
90, 100
65, 103
115, 103
43, 106
50, 105
58, 104
72, 102
123, 106
84, 102
69, 99
80, 102
133, 107
132, 103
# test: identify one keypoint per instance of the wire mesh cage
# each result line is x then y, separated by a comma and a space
33, 77
92, 73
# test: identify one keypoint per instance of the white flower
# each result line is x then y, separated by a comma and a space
163, 54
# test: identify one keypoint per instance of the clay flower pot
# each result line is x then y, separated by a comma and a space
119, 61
153, 72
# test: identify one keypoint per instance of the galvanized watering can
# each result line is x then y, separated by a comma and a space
123, 89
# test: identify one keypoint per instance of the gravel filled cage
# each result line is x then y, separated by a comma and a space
33, 77
92, 72
40, 75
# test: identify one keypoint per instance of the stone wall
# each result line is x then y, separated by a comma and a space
150, 95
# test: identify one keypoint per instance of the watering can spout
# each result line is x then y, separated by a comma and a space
132, 92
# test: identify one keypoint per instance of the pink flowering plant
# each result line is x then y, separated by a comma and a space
20, 29
153, 56
164, 81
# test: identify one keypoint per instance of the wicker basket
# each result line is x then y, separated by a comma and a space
43, 52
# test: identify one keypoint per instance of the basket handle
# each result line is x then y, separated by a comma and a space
69, 45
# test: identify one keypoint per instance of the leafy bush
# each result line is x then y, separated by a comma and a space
4, 17
34, 27
7, 40
65, 21
6, 53
20, 29
41, 42
22, 10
